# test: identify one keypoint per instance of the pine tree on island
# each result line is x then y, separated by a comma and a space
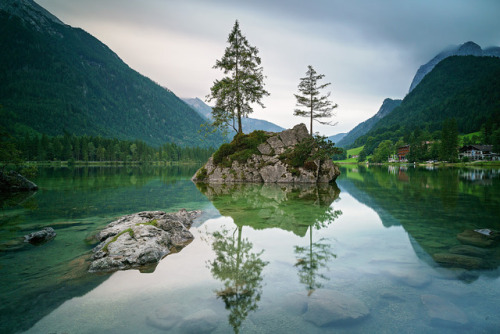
315, 105
242, 84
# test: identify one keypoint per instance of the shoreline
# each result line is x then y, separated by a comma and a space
438, 164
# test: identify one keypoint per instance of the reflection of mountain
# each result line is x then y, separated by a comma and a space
90, 191
35, 280
433, 206
285, 206
41, 295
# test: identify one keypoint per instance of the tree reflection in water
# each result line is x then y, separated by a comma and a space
240, 270
311, 259
290, 207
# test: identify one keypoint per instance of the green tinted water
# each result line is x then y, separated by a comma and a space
265, 259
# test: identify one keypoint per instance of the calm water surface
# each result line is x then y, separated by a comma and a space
355, 257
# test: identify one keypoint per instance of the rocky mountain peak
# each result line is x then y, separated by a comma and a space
467, 49
387, 106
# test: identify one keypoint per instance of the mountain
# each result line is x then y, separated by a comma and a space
362, 128
466, 88
466, 49
248, 124
338, 137
57, 78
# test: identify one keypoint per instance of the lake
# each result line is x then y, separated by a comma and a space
358, 256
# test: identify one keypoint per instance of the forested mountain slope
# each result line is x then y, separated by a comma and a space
56, 78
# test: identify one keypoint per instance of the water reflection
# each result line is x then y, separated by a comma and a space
240, 270
288, 207
311, 260
296, 208
437, 208
76, 202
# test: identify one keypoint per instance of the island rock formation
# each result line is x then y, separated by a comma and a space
141, 239
290, 156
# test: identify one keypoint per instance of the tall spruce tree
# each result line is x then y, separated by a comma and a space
242, 85
315, 105
449, 141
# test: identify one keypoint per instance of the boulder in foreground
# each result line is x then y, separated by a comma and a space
141, 239
291, 156
13, 182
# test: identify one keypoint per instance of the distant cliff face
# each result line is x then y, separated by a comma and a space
362, 128
466, 49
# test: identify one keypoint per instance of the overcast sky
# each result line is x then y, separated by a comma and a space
369, 50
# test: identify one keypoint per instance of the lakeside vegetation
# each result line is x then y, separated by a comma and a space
97, 151
352, 155
440, 145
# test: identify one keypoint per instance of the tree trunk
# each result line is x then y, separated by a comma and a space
240, 129
311, 131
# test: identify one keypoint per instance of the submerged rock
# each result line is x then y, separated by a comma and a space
267, 157
40, 237
443, 312
478, 239
329, 307
12, 182
141, 239
469, 250
460, 261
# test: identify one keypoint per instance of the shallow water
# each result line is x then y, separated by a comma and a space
347, 258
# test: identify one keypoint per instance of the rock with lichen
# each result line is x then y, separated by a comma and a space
141, 239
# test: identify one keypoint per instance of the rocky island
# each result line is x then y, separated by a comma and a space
290, 156
141, 239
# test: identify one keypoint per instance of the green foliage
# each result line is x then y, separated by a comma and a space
342, 155
309, 150
316, 106
223, 152
449, 141
68, 80
73, 148
244, 85
9, 154
202, 174
383, 151
301, 153
496, 140
240, 149
362, 156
